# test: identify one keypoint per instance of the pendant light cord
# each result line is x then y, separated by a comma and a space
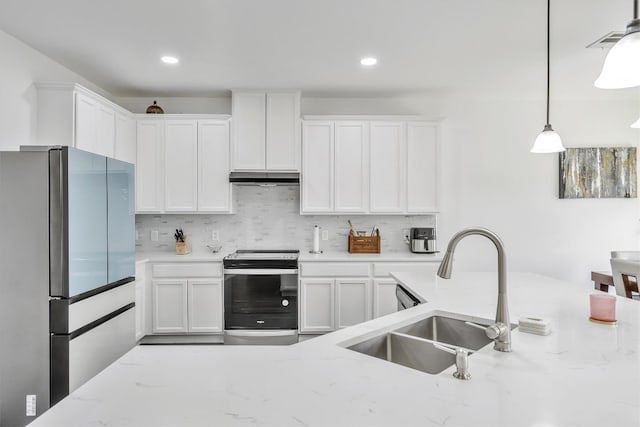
635, 9
548, 48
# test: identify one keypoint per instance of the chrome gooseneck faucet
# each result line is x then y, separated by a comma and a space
500, 331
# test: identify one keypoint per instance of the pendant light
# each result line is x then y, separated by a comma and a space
548, 141
621, 67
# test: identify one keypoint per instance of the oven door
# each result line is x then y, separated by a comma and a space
261, 299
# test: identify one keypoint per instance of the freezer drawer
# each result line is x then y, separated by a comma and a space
77, 357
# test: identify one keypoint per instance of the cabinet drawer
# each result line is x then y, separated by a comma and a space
186, 269
382, 269
334, 269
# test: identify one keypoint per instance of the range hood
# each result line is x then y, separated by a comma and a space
264, 178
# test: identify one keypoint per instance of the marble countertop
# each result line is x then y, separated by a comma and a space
582, 374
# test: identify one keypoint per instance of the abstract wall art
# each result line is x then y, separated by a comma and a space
598, 172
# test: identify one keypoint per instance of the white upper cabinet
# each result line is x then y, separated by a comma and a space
387, 174
150, 166
71, 115
214, 190
369, 166
183, 164
249, 132
125, 148
422, 167
265, 131
283, 131
317, 167
351, 166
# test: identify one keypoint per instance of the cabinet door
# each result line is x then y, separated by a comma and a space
181, 166
317, 305
125, 143
283, 131
140, 308
86, 122
351, 166
169, 306
149, 166
317, 166
214, 189
387, 166
353, 301
422, 167
105, 131
205, 305
384, 297
248, 111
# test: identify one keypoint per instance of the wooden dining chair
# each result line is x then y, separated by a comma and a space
625, 269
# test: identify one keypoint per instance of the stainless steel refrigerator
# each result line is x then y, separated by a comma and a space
67, 265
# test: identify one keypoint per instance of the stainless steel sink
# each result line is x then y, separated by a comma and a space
407, 351
413, 345
449, 331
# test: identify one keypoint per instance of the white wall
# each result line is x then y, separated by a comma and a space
21, 67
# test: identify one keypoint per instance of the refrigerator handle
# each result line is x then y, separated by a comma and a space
58, 223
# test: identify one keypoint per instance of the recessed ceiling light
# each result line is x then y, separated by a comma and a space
368, 62
169, 59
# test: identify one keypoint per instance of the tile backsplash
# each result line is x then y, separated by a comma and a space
269, 218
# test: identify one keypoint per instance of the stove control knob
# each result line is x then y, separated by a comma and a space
285, 302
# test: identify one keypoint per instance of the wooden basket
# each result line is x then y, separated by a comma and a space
364, 244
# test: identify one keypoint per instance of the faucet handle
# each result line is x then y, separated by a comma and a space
496, 330
493, 331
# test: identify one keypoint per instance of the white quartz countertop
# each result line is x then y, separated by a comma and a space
582, 374
199, 256
385, 256
305, 256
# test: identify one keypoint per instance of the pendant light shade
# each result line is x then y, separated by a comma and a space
548, 141
621, 67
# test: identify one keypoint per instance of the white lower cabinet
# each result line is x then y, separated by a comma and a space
384, 297
187, 305
140, 308
170, 306
204, 306
353, 301
329, 304
141, 300
317, 305
338, 294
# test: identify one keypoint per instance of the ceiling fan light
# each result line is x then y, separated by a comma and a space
548, 141
621, 67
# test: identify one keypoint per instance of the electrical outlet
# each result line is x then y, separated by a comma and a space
325, 234
405, 233
31, 405
215, 235
154, 235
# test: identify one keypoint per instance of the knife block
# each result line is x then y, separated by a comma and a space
183, 248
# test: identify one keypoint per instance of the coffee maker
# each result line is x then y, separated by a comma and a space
422, 240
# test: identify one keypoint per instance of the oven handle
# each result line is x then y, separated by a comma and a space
260, 271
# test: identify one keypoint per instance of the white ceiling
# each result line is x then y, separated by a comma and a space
423, 46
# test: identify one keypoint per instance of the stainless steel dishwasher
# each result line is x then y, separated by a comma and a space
405, 298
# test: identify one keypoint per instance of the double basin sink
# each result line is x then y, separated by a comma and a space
415, 345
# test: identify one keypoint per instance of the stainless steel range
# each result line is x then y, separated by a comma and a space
261, 297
